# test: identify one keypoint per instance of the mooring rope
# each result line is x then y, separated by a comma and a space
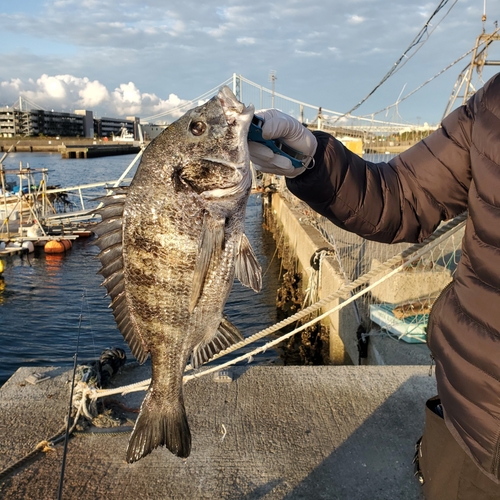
401, 260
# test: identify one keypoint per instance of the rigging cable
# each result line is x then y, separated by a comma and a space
399, 64
486, 42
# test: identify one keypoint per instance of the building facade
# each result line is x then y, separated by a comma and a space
81, 123
151, 130
110, 127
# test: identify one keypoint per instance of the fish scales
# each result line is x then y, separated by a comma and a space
181, 244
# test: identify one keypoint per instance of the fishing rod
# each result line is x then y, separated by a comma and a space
68, 419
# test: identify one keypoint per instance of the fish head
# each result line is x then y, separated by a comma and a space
211, 148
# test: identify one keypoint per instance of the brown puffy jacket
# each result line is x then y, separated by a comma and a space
456, 168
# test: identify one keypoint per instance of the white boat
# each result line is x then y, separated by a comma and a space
125, 136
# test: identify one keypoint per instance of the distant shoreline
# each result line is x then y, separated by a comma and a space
47, 144
51, 145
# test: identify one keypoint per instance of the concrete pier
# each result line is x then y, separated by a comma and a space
273, 432
95, 151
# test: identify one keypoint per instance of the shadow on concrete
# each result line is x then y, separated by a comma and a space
261, 491
375, 462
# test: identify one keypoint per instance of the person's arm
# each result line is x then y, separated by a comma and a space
402, 200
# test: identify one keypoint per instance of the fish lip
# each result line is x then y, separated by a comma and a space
239, 116
229, 101
234, 109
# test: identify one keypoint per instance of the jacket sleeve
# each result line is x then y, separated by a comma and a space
402, 200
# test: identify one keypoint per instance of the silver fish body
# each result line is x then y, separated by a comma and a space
171, 245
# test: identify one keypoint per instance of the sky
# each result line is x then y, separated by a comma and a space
142, 57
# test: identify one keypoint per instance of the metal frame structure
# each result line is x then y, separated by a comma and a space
464, 87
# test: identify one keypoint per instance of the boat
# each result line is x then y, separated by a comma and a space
25, 207
125, 136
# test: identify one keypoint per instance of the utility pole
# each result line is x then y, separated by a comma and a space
272, 79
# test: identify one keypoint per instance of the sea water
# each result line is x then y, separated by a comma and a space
52, 306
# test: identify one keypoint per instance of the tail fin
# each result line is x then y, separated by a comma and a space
158, 425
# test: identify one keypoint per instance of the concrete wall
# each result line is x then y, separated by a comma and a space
304, 241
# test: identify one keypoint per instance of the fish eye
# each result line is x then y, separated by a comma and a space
197, 128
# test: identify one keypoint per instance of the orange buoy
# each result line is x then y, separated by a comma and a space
54, 246
67, 244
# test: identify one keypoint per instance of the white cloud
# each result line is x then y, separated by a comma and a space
355, 19
190, 46
307, 53
246, 40
68, 92
52, 86
127, 99
93, 94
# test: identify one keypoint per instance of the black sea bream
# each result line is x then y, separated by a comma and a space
171, 245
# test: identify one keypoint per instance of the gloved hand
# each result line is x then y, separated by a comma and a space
278, 125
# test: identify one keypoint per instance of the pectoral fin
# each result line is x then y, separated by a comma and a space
210, 249
247, 268
226, 336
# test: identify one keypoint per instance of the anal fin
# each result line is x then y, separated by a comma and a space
226, 336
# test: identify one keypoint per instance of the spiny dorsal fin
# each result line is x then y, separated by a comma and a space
210, 249
110, 241
247, 267
224, 337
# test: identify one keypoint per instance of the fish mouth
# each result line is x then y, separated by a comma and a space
235, 112
230, 103
238, 116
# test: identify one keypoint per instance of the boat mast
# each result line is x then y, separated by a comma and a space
4, 195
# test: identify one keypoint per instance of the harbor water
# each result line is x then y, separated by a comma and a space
48, 302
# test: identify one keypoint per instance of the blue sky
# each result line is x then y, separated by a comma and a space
129, 57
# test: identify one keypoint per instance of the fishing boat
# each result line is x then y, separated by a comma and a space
125, 136
33, 213
25, 206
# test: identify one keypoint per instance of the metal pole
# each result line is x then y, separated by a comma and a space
127, 170
6, 220
81, 199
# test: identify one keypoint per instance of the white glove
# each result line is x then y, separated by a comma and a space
278, 125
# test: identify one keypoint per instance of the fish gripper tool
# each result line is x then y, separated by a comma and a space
278, 146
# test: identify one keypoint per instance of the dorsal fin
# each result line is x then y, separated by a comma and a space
247, 267
110, 241
224, 337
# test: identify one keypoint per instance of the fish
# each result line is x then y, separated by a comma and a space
171, 245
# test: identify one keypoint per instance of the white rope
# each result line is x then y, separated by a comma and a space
401, 261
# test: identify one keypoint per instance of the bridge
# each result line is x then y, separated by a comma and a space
314, 116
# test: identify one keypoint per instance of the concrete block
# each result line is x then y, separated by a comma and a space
422, 280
